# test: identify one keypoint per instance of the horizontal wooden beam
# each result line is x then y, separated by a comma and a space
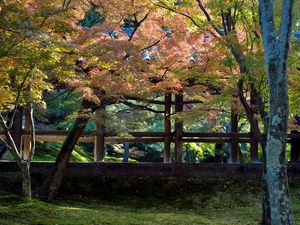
148, 137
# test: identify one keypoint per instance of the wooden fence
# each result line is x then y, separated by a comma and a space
152, 137
21, 135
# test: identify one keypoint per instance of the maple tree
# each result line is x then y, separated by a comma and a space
113, 70
23, 75
131, 52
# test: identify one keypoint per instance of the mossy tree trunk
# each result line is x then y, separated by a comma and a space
276, 48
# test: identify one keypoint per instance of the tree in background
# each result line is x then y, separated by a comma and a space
28, 55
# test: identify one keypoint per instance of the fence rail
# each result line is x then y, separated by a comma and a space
89, 136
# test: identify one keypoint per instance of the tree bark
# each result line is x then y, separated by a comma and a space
126, 152
22, 164
64, 156
26, 183
65, 152
276, 49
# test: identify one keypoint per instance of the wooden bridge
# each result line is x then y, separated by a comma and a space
21, 134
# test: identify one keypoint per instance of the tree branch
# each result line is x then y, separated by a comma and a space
286, 24
3, 122
165, 6
17, 98
250, 114
138, 24
201, 6
266, 16
141, 107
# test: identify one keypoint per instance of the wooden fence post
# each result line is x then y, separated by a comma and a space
167, 128
17, 129
99, 152
178, 128
27, 137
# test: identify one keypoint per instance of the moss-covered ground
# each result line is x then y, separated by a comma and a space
227, 202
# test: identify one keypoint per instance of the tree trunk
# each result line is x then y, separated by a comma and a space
219, 153
126, 152
276, 47
64, 156
241, 156
276, 174
55, 179
22, 164
17, 129
26, 183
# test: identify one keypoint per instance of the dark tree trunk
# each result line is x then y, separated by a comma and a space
17, 129
126, 152
219, 153
234, 136
241, 156
295, 147
64, 156
65, 152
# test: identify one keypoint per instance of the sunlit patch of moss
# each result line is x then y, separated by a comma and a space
226, 202
112, 159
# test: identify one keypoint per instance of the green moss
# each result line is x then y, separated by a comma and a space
226, 202
112, 159
23, 211
49, 152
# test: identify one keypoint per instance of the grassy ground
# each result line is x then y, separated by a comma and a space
224, 204
79, 154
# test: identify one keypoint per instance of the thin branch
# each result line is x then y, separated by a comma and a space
151, 45
157, 102
286, 24
58, 95
201, 6
3, 122
141, 107
250, 114
138, 24
165, 6
17, 98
